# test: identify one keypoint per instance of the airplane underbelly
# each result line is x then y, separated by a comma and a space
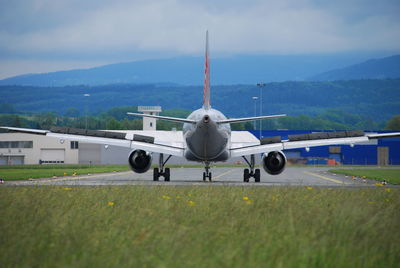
207, 146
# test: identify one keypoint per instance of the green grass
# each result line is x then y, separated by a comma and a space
390, 175
199, 227
25, 172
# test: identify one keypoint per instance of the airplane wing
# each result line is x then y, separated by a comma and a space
309, 140
135, 141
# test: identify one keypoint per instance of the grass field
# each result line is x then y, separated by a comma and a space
25, 172
390, 175
142, 226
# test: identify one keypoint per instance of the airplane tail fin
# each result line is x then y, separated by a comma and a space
206, 98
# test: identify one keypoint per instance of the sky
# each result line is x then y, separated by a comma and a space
49, 35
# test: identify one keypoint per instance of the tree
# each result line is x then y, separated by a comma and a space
394, 123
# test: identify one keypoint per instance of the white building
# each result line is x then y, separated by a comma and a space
20, 148
149, 123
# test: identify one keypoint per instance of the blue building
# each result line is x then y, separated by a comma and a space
374, 152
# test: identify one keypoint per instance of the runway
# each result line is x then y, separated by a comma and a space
222, 176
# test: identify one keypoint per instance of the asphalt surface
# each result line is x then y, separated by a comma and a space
222, 176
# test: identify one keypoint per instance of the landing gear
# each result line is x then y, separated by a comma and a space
207, 173
161, 171
252, 172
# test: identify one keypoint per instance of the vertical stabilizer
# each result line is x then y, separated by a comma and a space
206, 100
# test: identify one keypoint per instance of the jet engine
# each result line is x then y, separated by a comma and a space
274, 162
140, 161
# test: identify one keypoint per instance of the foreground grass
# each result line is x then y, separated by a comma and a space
25, 172
390, 175
161, 226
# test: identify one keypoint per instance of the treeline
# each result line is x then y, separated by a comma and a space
117, 119
377, 99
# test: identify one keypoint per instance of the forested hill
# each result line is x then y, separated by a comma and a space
239, 69
372, 69
378, 99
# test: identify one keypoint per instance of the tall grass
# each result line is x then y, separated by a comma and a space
142, 226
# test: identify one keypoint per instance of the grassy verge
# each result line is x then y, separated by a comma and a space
25, 172
199, 227
390, 175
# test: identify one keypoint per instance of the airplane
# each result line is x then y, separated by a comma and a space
207, 139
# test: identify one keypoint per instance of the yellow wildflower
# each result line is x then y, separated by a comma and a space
110, 203
387, 190
191, 203
246, 198
378, 184
309, 188
65, 174
67, 188
166, 197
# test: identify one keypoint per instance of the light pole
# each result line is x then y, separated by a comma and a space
86, 112
261, 85
255, 111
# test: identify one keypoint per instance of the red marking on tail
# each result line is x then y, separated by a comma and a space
206, 90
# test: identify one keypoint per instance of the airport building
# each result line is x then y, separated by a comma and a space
374, 152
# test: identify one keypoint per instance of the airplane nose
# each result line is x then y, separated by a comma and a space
206, 119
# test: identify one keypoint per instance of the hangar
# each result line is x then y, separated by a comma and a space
374, 152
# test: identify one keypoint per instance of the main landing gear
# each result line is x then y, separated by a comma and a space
207, 173
253, 172
161, 171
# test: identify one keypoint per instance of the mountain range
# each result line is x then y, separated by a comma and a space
241, 69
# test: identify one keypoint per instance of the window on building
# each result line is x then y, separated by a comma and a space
26, 144
151, 124
16, 144
74, 145
4, 144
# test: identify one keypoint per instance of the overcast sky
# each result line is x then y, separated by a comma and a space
48, 35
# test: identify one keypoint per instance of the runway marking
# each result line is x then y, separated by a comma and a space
324, 178
223, 174
82, 177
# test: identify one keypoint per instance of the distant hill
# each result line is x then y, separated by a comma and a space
242, 69
378, 99
388, 67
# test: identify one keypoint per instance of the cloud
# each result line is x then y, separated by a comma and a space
100, 29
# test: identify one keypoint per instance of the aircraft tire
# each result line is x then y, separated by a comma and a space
156, 174
257, 175
246, 175
167, 174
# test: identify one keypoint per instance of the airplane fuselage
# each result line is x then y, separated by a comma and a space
207, 141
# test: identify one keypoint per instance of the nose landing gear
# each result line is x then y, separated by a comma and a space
207, 173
